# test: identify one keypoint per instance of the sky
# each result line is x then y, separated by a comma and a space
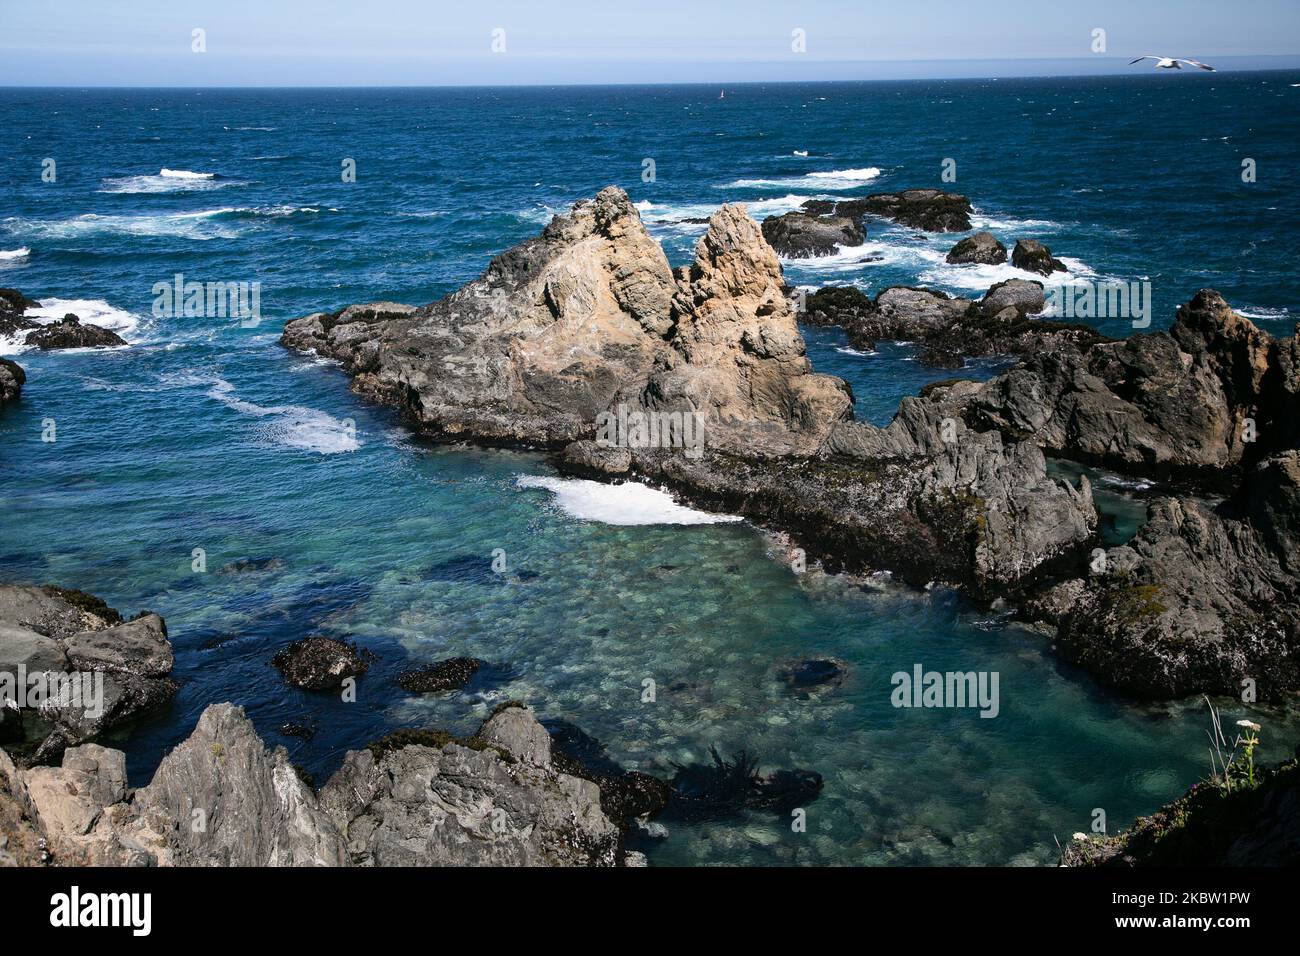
429, 42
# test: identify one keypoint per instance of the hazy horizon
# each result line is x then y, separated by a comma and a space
406, 43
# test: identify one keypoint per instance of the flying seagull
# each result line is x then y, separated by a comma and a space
1172, 62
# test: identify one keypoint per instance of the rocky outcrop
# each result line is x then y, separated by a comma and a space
1209, 826
321, 663
221, 798
103, 669
930, 209
982, 248
1032, 256
1202, 599
495, 799
12, 379
955, 489
69, 333
587, 317
949, 330
797, 235
1212, 395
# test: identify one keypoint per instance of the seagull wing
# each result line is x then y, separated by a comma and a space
1149, 56
1203, 66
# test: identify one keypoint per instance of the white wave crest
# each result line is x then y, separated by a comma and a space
627, 504
834, 179
292, 426
14, 255
184, 174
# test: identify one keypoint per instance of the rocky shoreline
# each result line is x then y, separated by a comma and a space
589, 316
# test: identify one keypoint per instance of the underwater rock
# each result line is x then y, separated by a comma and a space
812, 675
440, 676
727, 789
251, 566
321, 663
625, 795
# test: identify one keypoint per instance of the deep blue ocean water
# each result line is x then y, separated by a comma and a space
204, 434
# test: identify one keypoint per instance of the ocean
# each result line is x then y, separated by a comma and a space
205, 436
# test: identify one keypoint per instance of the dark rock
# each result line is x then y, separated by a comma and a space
11, 722
980, 248
13, 302
624, 794
321, 663
845, 306
12, 379
1209, 826
440, 676
728, 789
251, 566
1032, 256
303, 730
69, 333
930, 209
814, 674
797, 235
463, 568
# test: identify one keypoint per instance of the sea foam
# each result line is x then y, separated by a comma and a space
627, 504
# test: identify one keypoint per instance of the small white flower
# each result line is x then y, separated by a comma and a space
1080, 836
1249, 725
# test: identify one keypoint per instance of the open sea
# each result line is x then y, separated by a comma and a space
204, 434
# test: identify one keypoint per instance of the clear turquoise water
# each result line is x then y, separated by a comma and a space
207, 435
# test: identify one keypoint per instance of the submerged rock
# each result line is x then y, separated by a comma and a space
813, 675
982, 248
321, 663
440, 676
797, 235
727, 789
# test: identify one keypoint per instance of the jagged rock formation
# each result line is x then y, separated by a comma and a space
1211, 395
88, 645
797, 235
955, 489
982, 248
1202, 597
220, 798
589, 316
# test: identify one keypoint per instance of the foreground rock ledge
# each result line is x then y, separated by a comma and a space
588, 318
221, 798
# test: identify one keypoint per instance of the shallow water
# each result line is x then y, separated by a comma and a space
206, 435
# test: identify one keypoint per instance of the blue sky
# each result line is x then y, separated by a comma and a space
410, 42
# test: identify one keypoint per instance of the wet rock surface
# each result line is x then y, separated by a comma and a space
930, 209
982, 248
797, 235
321, 663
